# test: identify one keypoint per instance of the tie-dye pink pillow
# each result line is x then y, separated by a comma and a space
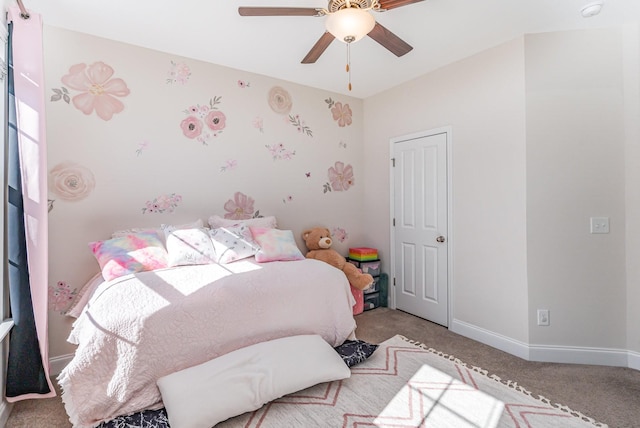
129, 254
275, 244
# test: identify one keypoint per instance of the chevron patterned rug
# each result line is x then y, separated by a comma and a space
405, 384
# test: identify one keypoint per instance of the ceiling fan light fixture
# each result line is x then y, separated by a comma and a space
350, 24
592, 9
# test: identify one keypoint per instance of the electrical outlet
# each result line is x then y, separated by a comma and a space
599, 224
543, 317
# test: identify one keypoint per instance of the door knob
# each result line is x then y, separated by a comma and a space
440, 238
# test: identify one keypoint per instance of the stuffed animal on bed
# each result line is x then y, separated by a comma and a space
318, 241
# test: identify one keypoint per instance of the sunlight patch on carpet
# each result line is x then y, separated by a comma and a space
441, 400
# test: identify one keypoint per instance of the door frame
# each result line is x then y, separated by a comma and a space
448, 130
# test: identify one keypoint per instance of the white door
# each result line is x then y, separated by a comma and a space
420, 225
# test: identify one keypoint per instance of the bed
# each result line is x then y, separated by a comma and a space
139, 327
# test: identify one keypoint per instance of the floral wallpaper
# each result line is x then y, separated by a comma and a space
140, 138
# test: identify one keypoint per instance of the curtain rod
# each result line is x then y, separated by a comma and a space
23, 11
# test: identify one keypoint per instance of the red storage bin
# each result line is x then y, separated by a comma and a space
358, 308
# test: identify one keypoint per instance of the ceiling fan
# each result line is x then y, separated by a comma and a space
346, 20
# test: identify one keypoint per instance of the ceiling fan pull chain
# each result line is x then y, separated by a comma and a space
349, 63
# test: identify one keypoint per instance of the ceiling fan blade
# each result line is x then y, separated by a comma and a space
392, 4
321, 45
277, 11
389, 40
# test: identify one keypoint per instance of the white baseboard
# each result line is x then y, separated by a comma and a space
634, 360
5, 411
549, 353
57, 364
495, 340
579, 355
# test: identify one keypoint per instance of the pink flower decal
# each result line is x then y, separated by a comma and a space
198, 115
229, 165
179, 73
339, 234
243, 84
191, 127
341, 114
216, 120
240, 208
142, 147
258, 123
71, 181
341, 177
99, 90
279, 152
279, 100
162, 203
60, 296
300, 125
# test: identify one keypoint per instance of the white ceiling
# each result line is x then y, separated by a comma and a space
440, 31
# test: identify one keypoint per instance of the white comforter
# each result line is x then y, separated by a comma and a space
139, 328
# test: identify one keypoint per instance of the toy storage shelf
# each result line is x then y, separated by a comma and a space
376, 295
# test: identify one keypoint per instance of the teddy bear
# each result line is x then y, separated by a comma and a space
318, 241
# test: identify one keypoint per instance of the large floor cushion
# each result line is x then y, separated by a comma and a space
245, 379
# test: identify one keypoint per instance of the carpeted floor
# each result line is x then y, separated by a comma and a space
610, 395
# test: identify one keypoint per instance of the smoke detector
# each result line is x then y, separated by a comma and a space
592, 9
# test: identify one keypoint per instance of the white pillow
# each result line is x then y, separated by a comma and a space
216, 221
188, 246
233, 243
244, 380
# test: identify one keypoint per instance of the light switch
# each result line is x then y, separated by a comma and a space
599, 224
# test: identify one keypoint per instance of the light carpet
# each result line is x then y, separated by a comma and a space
405, 384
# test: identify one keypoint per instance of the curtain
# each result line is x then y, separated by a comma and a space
27, 227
